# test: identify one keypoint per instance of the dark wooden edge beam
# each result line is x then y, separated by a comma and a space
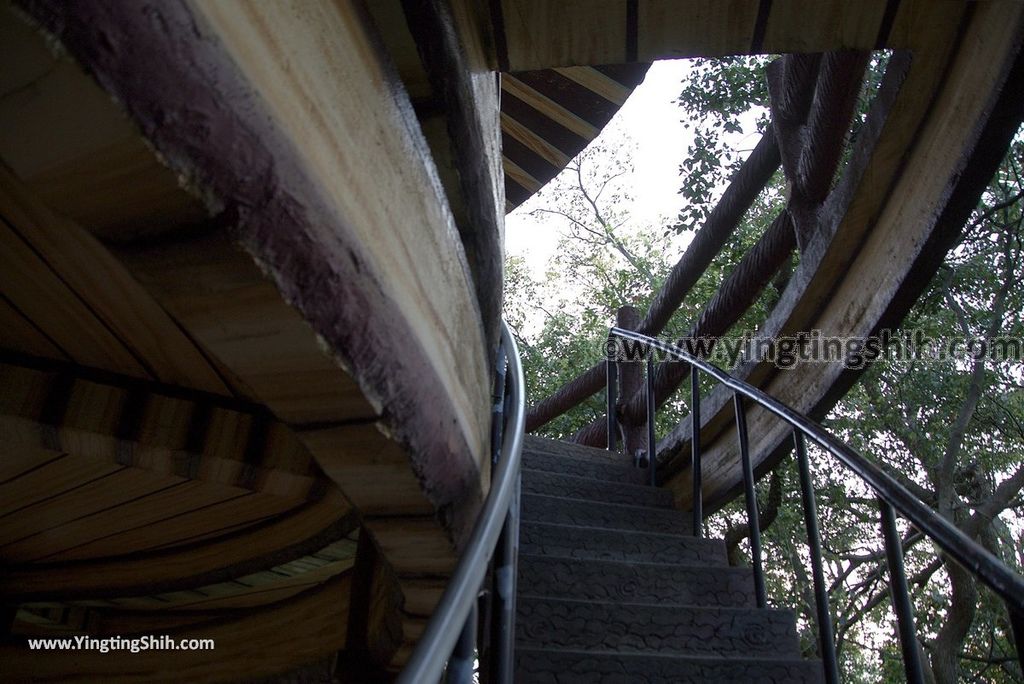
451, 76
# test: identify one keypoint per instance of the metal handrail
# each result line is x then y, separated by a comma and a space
1002, 580
431, 654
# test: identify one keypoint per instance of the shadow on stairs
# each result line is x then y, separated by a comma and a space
613, 587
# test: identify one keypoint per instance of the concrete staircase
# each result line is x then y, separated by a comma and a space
613, 588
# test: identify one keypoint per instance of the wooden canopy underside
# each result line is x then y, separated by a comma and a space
247, 312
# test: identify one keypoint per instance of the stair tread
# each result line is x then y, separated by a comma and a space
568, 666
591, 488
543, 622
636, 583
597, 543
596, 468
589, 513
666, 656
560, 448
613, 587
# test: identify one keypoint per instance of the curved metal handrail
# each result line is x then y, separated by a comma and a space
953, 542
434, 647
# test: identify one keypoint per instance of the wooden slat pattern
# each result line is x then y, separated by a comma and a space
177, 555
93, 166
78, 295
31, 286
568, 33
84, 500
838, 25
219, 295
245, 591
249, 644
538, 34
130, 526
21, 335
550, 116
192, 607
672, 29
138, 426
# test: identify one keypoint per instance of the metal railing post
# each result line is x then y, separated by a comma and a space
449, 637
695, 467
503, 632
826, 635
652, 445
460, 665
750, 495
1006, 583
611, 372
901, 604
628, 371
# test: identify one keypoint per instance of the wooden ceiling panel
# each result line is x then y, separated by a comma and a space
668, 29
229, 307
250, 643
21, 335
94, 166
839, 25
84, 501
84, 302
568, 33
51, 480
172, 549
42, 296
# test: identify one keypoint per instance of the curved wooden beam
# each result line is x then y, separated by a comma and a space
231, 555
905, 187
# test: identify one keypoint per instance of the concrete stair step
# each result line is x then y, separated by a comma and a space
559, 448
592, 543
550, 666
547, 623
577, 487
611, 467
636, 583
566, 511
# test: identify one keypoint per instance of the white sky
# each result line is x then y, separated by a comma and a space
651, 119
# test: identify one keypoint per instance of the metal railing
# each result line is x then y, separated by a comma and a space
893, 499
448, 645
